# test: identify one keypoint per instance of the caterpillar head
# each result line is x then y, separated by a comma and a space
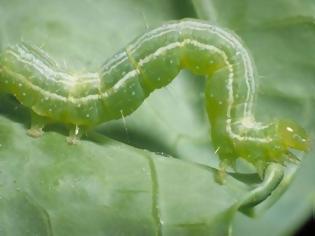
292, 136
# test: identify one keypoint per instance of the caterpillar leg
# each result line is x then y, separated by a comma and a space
261, 167
292, 158
37, 125
75, 134
221, 174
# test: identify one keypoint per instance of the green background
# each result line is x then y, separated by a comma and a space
113, 183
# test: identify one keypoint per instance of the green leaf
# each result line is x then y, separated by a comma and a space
280, 34
103, 186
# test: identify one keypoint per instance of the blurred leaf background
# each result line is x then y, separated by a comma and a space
279, 33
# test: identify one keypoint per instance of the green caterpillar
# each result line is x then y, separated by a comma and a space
150, 62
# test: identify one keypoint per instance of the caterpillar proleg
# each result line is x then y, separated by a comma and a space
148, 63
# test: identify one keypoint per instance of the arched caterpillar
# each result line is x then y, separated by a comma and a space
150, 62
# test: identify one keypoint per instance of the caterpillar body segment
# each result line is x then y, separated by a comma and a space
148, 63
